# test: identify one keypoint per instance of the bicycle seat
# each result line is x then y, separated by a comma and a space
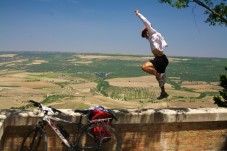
82, 111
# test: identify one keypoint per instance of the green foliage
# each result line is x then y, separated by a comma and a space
102, 86
196, 69
125, 93
219, 101
130, 93
53, 98
48, 99
43, 75
213, 19
177, 3
23, 107
202, 95
62, 84
59, 64
189, 69
217, 14
222, 99
99, 70
176, 85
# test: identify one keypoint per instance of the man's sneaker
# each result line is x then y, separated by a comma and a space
161, 79
163, 95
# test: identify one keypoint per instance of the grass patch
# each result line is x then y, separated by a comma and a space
53, 98
43, 75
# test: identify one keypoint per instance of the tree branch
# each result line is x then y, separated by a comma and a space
211, 10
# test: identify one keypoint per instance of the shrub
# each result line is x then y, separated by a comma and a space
221, 100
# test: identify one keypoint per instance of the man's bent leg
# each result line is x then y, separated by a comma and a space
149, 68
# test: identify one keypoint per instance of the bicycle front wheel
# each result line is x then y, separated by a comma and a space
99, 138
35, 140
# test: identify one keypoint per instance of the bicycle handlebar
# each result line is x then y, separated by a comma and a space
36, 104
44, 108
82, 111
53, 110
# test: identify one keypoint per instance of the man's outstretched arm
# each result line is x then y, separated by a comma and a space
146, 23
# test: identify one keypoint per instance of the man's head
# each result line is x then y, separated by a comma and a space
144, 33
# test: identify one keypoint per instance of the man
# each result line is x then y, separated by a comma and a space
157, 66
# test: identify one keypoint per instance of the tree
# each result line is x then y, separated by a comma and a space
102, 86
222, 99
216, 11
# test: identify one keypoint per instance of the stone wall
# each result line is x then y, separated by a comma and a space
141, 130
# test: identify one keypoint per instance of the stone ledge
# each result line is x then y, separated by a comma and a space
125, 116
169, 115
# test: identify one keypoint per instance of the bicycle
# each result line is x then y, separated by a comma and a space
86, 139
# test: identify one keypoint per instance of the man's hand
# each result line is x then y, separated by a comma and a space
137, 12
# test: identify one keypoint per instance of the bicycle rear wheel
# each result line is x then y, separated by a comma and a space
104, 138
35, 140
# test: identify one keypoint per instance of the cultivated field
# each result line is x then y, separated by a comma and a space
66, 80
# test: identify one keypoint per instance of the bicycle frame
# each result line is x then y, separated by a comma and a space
82, 128
50, 119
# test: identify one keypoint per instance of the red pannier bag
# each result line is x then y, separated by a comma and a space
99, 112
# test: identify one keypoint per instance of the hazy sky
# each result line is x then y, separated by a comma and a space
106, 26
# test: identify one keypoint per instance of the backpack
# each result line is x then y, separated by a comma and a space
100, 112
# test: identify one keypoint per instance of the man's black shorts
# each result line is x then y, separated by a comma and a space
160, 63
